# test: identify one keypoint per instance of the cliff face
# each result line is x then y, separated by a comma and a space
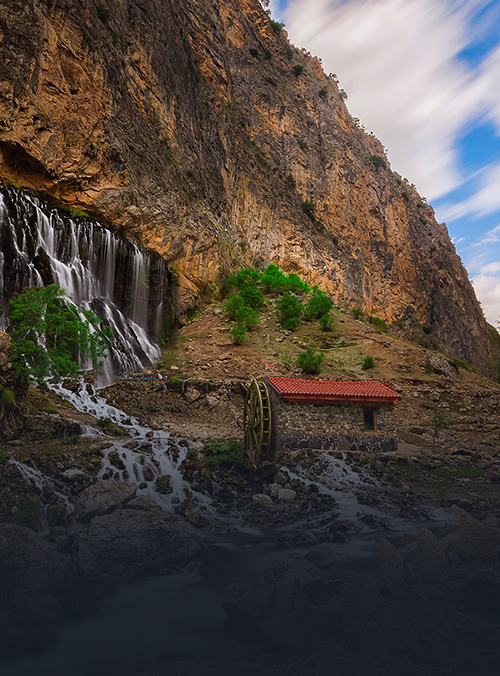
198, 129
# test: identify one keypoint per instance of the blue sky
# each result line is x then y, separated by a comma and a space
424, 76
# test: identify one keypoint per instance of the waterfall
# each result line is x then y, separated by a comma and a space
98, 268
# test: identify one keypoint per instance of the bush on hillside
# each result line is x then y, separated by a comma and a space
367, 363
327, 322
379, 324
234, 303
238, 333
319, 304
251, 295
247, 316
290, 309
309, 361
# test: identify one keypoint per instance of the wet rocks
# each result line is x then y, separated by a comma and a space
262, 500
103, 498
286, 495
163, 484
134, 542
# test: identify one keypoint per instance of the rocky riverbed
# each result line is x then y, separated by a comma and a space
323, 563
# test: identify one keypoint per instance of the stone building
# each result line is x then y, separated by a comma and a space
328, 414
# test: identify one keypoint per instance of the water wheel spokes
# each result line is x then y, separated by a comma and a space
257, 422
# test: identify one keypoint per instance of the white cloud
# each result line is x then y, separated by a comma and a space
487, 288
490, 237
485, 273
398, 61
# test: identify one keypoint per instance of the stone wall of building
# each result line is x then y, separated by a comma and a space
330, 426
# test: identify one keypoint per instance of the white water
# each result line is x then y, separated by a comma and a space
142, 448
97, 268
335, 477
45, 487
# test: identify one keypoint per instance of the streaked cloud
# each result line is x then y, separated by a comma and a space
399, 62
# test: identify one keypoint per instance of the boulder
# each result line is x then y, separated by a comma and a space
163, 484
262, 500
102, 498
286, 495
442, 366
132, 543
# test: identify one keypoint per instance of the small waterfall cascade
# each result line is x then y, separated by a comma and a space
142, 457
101, 270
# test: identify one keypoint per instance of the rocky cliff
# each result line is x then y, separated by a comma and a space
198, 129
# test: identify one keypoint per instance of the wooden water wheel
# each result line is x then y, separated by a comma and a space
257, 423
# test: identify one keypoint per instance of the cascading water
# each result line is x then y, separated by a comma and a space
99, 269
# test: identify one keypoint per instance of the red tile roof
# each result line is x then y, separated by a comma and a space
304, 390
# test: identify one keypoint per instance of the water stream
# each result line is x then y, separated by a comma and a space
99, 269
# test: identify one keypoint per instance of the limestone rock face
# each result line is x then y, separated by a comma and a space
185, 126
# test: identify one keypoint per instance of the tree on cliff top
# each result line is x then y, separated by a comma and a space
52, 337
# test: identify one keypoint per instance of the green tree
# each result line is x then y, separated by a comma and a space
51, 336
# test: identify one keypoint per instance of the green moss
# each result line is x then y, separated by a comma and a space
8, 399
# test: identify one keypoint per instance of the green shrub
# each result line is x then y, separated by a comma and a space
323, 93
309, 209
426, 328
302, 143
440, 421
298, 69
290, 181
50, 335
238, 333
271, 81
327, 322
276, 26
378, 161
428, 368
379, 324
343, 94
247, 316
234, 303
251, 295
309, 361
223, 453
192, 454
246, 275
3, 457
254, 52
318, 305
458, 363
273, 279
295, 284
286, 360
357, 313
290, 309
399, 322
367, 363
